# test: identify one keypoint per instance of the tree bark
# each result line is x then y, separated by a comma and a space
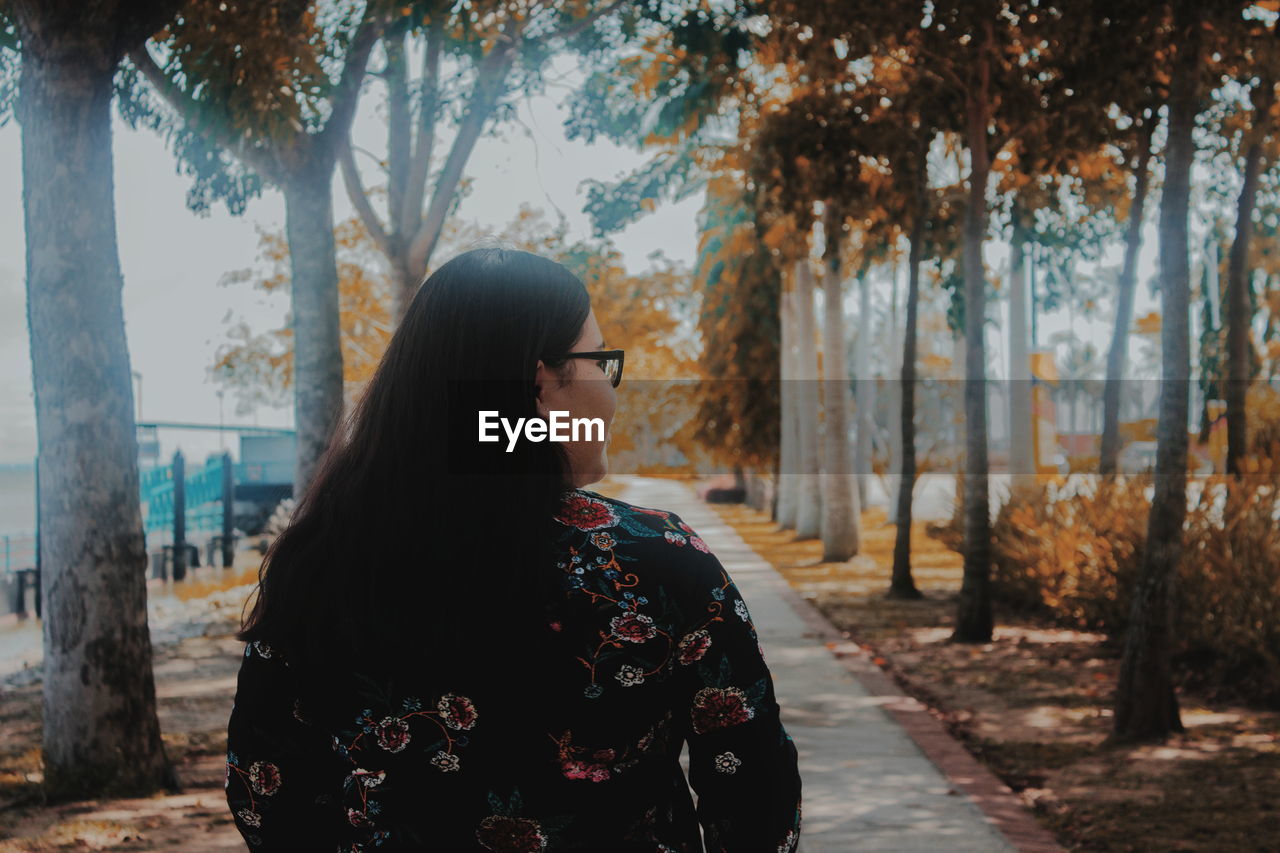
866, 385
317, 341
973, 613
1239, 363
101, 735
1022, 465
840, 510
902, 585
809, 504
789, 452
1146, 705
896, 345
1117, 355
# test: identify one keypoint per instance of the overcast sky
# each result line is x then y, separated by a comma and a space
176, 313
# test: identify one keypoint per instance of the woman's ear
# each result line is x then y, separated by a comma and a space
541, 381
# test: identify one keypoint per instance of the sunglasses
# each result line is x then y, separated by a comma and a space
610, 362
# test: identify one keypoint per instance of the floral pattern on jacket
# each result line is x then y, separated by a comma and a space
661, 651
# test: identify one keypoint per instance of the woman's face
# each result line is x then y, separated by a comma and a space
586, 393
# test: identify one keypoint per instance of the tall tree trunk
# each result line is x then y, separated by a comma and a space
317, 358
896, 345
1238, 345
955, 404
809, 506
840, 509
1146, 705
1126, 287
101, 736
902, 585
973, 613
1022, 463
789, 453
862, 458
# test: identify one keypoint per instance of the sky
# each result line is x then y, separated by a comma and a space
176, 314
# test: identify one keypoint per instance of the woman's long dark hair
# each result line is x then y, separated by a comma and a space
416, 545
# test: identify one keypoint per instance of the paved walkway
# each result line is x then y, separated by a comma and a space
868, 783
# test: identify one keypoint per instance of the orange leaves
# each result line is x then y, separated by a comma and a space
1148, 324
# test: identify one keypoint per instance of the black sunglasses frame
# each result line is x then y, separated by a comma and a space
603, 356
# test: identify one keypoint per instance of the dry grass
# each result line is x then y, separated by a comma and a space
1035, 705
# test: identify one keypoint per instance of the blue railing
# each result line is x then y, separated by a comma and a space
203, 491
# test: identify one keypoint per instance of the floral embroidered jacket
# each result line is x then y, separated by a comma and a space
660, 651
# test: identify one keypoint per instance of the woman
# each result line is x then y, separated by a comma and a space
456, 647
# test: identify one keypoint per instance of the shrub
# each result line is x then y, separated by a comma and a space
1072, 549
1227, 597
1074, 554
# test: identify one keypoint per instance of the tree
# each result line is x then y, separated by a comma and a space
804, 152
738, 321
1125, 287
808, 405
641, 313
840, 499
101, 735
915, 178
1146, 705
259, 365
271, 88
1264, 55
505, 43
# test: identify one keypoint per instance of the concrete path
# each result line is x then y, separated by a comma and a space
867, 784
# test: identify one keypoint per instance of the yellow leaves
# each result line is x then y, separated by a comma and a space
648, 205
936, 364
1139, 430
1148, 324
777, 236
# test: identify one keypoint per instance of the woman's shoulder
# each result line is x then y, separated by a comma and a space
611, 525
588, 512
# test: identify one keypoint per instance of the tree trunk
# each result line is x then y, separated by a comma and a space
1022, 463
973, 613
840, 509
1238, 345
317, 364
902, 585
1146, 705
101, 736
809, 505
1126, 287
789, 452
862, 459
892, 476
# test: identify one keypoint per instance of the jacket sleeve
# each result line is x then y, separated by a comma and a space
742, 762
277, 764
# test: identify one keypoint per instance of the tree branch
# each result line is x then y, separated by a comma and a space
189, 110
424, 145
359, 200
399, 129
490, 83
347, 93
578, 26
